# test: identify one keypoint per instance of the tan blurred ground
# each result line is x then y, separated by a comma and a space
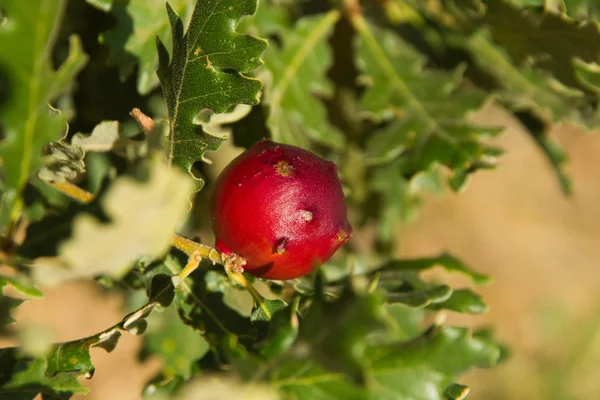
542, 250
513, 223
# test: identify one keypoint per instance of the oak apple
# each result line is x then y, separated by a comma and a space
281, 208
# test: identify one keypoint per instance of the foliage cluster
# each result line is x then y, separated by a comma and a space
383, 88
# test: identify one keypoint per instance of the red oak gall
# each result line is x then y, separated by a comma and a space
281, 208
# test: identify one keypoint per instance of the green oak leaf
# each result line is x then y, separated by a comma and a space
421, 297
553, 150
7, 303
271, 18
401, 280
444, 260
550, 91
28, 377
178, 344
206, 72
282, 332
206, 309
428, 108
29, 85
21, 284
304, 380
336, 331
462, 301
546, 71
400, 197
56, 375
297, 79
133, 39
424, 367
263, 313
419, 369
456, 391
548, 41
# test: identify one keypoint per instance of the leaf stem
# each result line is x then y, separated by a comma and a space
73, 191
239, 278
192, 248
193, 263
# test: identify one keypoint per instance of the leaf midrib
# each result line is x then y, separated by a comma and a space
432, 126
180, 88
311, 41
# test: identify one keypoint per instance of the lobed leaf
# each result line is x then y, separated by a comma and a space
29, 85
206, 72
21, 284
8, 303
339, 343
56, 375
297, 79
132, 41
547, 70
427, 108
176, 343
444, 260
29, 378
462, 301
423, 368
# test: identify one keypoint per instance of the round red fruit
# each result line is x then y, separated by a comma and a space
281, 208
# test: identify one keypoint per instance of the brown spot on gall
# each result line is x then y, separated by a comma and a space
284, 169
280, 246
341, 236
306, 215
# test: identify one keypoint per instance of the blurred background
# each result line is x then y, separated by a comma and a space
540, 247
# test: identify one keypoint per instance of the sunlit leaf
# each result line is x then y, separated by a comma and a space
132, 41
103, 137
297, 77
178, 344
31, 85
206, 71
429, 107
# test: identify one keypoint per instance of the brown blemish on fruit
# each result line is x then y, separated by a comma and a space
280, 246
341, 236
284, 169
306, 215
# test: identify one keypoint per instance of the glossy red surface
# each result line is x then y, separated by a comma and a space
281, 208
